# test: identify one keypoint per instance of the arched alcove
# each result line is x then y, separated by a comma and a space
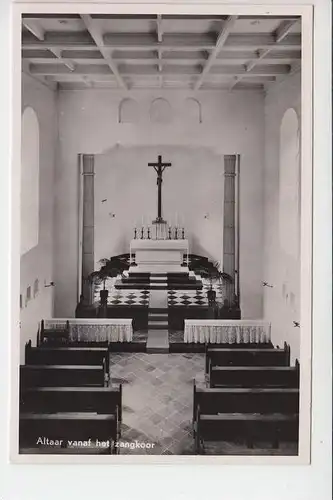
29, 180
192, 110
289, 184
160, 111
128, 111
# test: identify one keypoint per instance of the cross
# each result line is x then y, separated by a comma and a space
159, 167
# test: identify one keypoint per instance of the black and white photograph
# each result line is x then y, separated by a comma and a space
165, 206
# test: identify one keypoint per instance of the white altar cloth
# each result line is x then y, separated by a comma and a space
159, 256
94, 330
217, 331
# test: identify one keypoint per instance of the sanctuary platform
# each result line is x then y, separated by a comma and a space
185, 280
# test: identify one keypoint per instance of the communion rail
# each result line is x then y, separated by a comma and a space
227, 331
88, 330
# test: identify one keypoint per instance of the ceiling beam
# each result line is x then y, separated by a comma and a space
159, 28
98, 39
151, 69
145, 57
34, 28
227, 27
39, 33
67, 62
142, 41
160, 40
39, 78
281, 32
185, 17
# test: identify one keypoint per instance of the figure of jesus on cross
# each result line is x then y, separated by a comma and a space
159, 167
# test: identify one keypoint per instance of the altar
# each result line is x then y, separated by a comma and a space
159, 256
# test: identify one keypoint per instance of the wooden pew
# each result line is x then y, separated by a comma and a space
248, 427
66, 355
247, 356
37, 431
104, 400
62, 376
53, 336
245, 400
254, 376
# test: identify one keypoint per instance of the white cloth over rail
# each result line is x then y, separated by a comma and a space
218, 331
94, 330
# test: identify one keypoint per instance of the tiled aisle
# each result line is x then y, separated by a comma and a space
157, 400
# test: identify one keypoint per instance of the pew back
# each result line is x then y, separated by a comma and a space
66, 356
104, 400
247, 357
61, 376
249, 428
67, 428
245, 400
254, 376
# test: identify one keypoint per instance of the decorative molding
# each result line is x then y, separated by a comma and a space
192, 110
160, 111
128, 111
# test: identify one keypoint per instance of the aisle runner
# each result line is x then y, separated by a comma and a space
158, 299
158, 340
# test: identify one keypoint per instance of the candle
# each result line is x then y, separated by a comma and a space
142, 221
176, 219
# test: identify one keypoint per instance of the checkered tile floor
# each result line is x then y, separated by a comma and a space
193, 297
123, 297
141, 297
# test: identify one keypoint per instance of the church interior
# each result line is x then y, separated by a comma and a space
160, 234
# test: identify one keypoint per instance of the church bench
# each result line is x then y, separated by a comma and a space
247, 357
245, 400
251, 428
62, 376
104, 400
66, 355
75, 431
53, 335
254, 376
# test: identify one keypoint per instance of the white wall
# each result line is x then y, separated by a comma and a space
37, 263
29, 180
231, 123
281, 267
126, 191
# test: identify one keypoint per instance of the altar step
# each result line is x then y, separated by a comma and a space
157, 342
158, 325
158, 316
171, 286
157, 310
148, 285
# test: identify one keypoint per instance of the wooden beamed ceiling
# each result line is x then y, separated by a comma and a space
72, 51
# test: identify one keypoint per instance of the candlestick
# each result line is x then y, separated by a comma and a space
148, 233
169, 232
142, 231
176, 233
183, 234
135, 233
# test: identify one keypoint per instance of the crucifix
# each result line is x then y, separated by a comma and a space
159, 167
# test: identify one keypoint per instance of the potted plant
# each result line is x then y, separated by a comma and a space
110, 268
210, 271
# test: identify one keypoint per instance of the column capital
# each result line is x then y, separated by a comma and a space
88, 163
